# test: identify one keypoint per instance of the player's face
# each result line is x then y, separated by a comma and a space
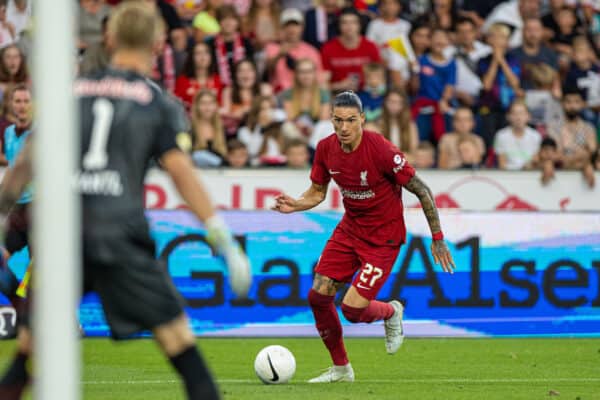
21, 105
348, 123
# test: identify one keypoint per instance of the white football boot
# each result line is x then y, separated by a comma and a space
337, 373
394, 333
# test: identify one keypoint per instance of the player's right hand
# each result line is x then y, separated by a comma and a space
284, 204
220, 238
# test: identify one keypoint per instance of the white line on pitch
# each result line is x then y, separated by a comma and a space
400, 380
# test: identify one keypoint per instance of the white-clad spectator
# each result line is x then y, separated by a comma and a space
18, 12
467, 51
517, 144
7, 29
388, 26
91, 14
513, 13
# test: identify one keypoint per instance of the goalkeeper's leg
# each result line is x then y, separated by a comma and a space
17, 375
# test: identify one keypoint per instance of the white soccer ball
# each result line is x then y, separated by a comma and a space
274, 365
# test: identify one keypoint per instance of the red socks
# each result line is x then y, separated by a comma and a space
375, 311
329, 326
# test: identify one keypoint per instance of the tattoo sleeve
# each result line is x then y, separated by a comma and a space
423, 193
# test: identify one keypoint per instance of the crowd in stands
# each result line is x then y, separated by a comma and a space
454, 84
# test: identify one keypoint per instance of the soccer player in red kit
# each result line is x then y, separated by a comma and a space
370, 173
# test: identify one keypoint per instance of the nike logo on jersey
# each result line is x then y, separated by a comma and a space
334, 172
275, 374
361, 286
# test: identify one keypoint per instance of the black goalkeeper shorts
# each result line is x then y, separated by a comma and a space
17, 231
136, 290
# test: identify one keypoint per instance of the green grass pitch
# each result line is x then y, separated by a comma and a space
423, 369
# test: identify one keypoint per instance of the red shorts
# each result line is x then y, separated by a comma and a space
344, 254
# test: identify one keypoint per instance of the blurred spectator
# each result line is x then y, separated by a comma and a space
533, 52
500, 74
424, 156
562, 41
596, 159
321, 23
550, 19
262, 22
7, 118
237, 154
435, 83
188, 9
469, 154
449, 155
517, 144
282, 57
548, 159
261, 133
306, 102
229, 47
297, 155
13, 68
198, 73
237, 99
591, 17
477, 10
345, 55
91, 15
97, 56
544, 107
444, 15
204, 26
415, 9
242, 6
400, 64
584, 73
208, 139
420, 39
512, 13
388, 26
467, 51
396, 124
576, 138
18, 13
163, 67
176, 32
373, 92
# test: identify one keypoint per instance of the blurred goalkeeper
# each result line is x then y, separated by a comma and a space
125, 121
370, 173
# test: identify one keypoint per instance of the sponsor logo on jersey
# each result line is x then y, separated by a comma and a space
114, 87
357, 195
100, 183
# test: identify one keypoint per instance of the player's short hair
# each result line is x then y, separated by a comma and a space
347, 99
134, 26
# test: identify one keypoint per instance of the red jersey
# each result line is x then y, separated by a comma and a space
186, 88
342, 62
370, 180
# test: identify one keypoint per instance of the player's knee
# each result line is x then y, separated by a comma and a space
352, 314
316, 299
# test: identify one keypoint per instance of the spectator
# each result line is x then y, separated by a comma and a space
204, 27
208, 139
282, 57
399, 64
229, 47
477, 10
435, 83
517, 144
163, 68
469, 154
544, 108
500, 74
237, 154
591, 18
306, 103
13, 68
467, 52
97, 56
396, 124
321, 23
237, 99
198, 73
262, 22
7, 118
345, 55
261, 133
596, 159
420, 39
297, 155
176, 32
548, 159
91, 15
576, 138
388, 26
373, 92
533, 53
444, 15
18, 13
512, 14
584, 73
449, 156
188, 9
562, 41
550, 19
424, 156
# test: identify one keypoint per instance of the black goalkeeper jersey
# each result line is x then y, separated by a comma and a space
125, 122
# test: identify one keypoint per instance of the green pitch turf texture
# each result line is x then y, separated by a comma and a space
423, 369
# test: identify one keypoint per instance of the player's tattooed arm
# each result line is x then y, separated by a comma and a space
325, 285
311, 198
441, 254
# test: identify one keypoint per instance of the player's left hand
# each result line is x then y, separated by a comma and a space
441, 255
